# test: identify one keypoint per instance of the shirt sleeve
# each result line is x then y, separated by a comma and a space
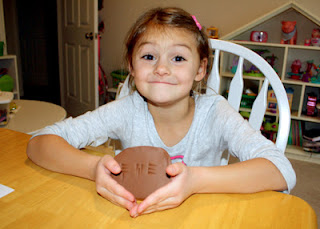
246, 143
94, 127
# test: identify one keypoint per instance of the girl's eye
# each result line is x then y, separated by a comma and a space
148, 57
178, 58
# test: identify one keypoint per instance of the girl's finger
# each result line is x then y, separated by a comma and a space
159, 196
159, 208
163, 205
118, 200
113, 187
175, 169
111, 164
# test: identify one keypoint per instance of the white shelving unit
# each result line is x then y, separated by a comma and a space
285, 54
10, 62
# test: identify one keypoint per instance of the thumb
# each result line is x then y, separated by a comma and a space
112, 165
175, 169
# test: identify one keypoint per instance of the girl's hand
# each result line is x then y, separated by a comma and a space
170, 195
108, 187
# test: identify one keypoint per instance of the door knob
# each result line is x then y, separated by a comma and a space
89, 36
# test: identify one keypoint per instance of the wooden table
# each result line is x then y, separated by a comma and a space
44, 199
33, 115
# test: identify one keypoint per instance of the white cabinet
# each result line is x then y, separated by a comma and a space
10, 62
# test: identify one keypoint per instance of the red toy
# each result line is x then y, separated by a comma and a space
289, 32
259, 36
295, 70
295, 67
315, 37
311, 105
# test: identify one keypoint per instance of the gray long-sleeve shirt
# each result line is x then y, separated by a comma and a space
216, 127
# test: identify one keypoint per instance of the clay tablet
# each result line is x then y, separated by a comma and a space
143, 170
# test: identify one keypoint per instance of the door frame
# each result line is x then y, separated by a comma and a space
60, 50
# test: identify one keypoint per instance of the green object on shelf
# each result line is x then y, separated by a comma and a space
253, 74
1, 48
118, 76
6, 83
247, 101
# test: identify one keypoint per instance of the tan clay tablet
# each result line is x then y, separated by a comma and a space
143, 170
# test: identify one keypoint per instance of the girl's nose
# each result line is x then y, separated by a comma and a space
162, 68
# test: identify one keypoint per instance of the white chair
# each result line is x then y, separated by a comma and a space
236, 87
123, 89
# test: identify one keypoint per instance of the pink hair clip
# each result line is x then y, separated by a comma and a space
196, 21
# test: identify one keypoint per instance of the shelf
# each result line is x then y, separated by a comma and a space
230, 74
7, 57
309, 118
297, 153
286, 54
266, 44
299, 82
259, 43
249, 110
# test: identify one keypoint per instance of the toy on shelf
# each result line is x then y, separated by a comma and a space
234, 66
314, 40
6, 81
295, 73
306, 77
270, 125
269, 128
272, 105
259, 36
247, 98
315, 37
311, 104
213, 32
316, 78
289, 32
253, 70
271, 60
307, 42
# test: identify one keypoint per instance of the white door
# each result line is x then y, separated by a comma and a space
78, 55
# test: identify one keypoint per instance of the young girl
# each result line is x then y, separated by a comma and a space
167, 55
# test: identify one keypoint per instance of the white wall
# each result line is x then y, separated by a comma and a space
225, 15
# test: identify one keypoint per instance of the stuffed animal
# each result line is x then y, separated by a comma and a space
289, 32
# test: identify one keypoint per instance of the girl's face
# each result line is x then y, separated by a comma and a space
165, 64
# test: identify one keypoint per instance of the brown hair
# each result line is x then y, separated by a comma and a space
166, 17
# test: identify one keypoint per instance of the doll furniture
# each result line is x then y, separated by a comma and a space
286, 54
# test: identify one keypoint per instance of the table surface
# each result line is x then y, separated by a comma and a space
45, 199
33, 115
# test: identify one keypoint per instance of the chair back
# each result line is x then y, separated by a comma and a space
236, 87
